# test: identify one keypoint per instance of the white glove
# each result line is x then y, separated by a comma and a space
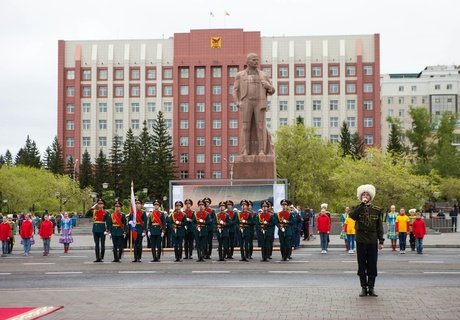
143, 234
177, 222
199, 229
188, 219
222, 223
94, 207
149, 233
282, 229
131, 223
201, 221
162, 234
284, 220
243, 221
265, 222
124, 235
105, 233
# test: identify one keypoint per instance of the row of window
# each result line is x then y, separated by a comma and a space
334, 105
317, 88
333, 122
413, 88
333, 70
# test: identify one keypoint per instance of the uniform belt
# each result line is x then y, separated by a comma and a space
116, 225
99, 221
155, 224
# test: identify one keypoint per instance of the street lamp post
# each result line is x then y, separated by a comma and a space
74, 170
231, 170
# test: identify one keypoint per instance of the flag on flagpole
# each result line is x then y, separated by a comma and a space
226, 13
134, 212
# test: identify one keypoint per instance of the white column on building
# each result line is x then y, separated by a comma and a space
94, 125
325, 108
275, 98
308, 102
110, 106
126, 100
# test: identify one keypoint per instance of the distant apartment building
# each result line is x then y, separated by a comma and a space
106, 87
436, 88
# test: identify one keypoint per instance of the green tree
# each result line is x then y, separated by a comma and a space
29, 155
345, 140
131, 163
101, 173
164, 163
450, 189
2, 160
395, 141
116, 164
53, 159
446, 160
357, 146
148, 159
8, 158
86, 171
69, 168
420, 136
307, 162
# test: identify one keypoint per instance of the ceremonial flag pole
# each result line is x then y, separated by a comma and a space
133, 223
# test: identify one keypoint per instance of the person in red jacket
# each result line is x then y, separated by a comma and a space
26, 233
5, 234
46, 230
419, 230
324, 227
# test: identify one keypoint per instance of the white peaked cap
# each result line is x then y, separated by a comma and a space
365, 188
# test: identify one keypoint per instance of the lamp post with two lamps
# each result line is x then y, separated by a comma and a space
231, 169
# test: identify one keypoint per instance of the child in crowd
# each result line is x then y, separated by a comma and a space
402, 228
46, 230
5, 234
349, 228
27, 234
323, 227
419, 230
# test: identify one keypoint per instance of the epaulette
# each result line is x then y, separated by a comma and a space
376, 208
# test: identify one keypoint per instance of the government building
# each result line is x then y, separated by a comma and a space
106, 87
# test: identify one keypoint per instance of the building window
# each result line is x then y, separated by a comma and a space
267, 70
200, 90
317, 122
268, 123
134, 124
70, 125
119, 124
102, 141
151, 106
200, 142
102, 74
401, 88
316, 71
217, 174
216, 107
351, 87
333, 71
351, 122
233, 124
86, 107
86, 75
200, 124
102, 107
200, 107
413, 100
368, 139
151, 90
86, 124
233, 107
316, 88
135, 90
368, 122
368, 70
184, 174
200, 72
413, 88
334, 138
167, 73
300, 88
232, 71
70, 142
299, 71
102, 124
390, 112
200, 174
334, 105
283, 89
70, 108
283, 72
283, 122
119, 74
183, 73
183, 106
119, 91
334, 122
183, 90
86, 92
283, 105
390, 100
333, 88
437, 87
150, 123
167, 106
71, 91
299, 105
401, 100
316, 105
86, 142
351, 71
216, 158
183, 141
135, 107
70, 74
216, 72
151, 73
167, 90
216, 124
184, 124
135, 73
351, 104
184, 158
168, 123
119, 107
233, 141
216, 90
401, 113
449, 86
368, 104
216, 141
368, 87
102, 91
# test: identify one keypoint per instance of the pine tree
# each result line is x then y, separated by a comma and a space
164, 166
29, 155
131, 163
395, 141
2, 160
102, 173
53, 160
8, 158
116, 164
86, 171
357, 146
345, 140
147, 159
69, 167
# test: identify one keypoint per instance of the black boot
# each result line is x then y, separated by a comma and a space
98, 257
176, 254
115, 255
154, 255
371, 283
220, 254
102, 253
363, 282
120, 254
158, 254
243, 255
135, 255
180, 254
139, 254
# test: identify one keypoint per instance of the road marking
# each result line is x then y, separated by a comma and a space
136, 272
211, 271
441, 272
354, 272
5, 273
426, 261
288, 272
63, 272
37, 263
294, 261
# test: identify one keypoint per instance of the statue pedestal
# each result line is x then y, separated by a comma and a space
254, 167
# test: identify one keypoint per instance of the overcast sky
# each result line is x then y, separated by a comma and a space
413, 34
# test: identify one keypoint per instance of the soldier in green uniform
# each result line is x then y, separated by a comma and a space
117, 227
223, 225
138, 223
244, 221
284, 222
177, 222
201, 221
369, 238
265, 226
232, 229
190, 229
100, 228
157, 226
252, 228
211, 227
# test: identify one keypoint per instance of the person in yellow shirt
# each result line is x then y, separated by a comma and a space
402, 227
349, 228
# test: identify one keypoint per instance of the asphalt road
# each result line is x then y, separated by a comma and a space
311, 285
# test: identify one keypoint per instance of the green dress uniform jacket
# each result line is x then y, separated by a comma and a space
369, 227
156, 222
177, 222
201, 227
223, 230
100, 219
244, 227
117, 224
